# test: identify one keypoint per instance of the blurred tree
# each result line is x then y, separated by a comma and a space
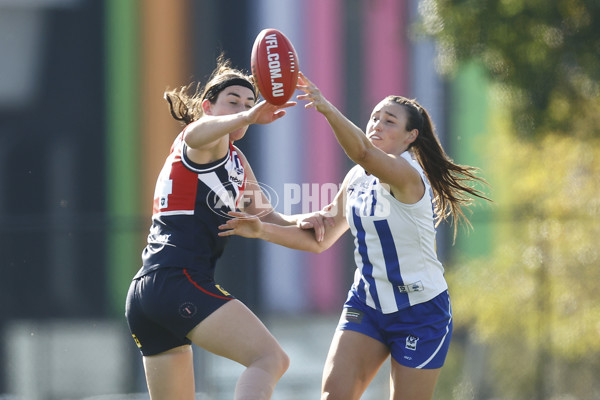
533, 302
535, 298
545, 53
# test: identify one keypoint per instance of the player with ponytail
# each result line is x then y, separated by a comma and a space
402, 186
173, 300
451, 183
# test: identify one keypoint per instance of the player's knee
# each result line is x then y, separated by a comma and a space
334, 395
337, 394
275, 361
282, 361
341, 389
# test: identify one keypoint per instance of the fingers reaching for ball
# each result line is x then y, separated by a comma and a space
265, 112
312, 94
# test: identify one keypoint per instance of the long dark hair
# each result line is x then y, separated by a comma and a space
450, 182
185, 103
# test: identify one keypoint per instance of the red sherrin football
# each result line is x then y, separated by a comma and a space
274, 65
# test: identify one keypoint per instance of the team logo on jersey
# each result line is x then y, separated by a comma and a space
412, 287
239, 170
411, 342
156, 237
188, 310
236, 175
163, 202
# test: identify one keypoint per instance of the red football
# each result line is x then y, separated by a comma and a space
274, 65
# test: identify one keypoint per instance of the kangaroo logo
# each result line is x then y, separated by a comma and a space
411, 342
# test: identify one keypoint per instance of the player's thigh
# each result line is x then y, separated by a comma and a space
233, 331
352, 363
170, 375
412, 383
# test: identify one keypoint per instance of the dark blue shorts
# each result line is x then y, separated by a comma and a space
417, 336
163, 306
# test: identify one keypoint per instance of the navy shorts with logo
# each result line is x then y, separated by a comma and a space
163, 306
417, 336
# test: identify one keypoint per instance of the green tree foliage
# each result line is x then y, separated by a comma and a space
535, 298
546, 53
533, 302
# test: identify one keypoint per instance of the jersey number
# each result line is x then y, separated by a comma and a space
164, 187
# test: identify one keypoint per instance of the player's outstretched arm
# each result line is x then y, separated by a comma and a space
291, 236
351, 138
257, 203
315, 233
209, 128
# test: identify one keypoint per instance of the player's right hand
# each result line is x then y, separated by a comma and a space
242, 224
317, 221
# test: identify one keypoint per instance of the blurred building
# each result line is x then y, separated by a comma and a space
84, 133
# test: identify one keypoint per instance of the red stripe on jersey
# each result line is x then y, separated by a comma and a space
177, 186
185, 186
202, 289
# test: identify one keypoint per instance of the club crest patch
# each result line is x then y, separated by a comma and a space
188, 310
411, 342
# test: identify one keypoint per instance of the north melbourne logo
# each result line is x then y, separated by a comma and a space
411, 342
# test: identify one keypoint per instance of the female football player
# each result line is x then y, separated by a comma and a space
173, 300
403, 185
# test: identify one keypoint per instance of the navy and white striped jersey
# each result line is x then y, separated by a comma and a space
190, 202
395, 251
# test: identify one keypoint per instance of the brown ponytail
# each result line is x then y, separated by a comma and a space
450, 182
185, 103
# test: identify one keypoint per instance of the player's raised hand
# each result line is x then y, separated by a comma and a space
265, 113
312, 94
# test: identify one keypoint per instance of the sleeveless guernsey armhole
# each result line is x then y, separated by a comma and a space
202, 168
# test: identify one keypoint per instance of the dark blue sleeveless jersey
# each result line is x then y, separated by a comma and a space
190, 202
